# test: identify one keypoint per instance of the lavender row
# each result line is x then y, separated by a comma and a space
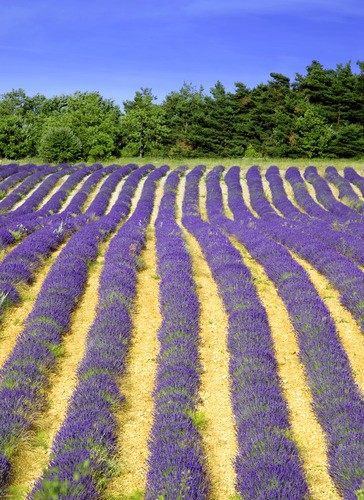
86, 442
25, 373
339, 269
8, 170
33, 201
176, 464
17, 227
268, 463
20, 265
304, 199
346, 244
337, 401
326, 198
18, 176
352, 176
15, 196
346, 192
306, 202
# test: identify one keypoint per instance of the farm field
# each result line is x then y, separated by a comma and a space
181, 332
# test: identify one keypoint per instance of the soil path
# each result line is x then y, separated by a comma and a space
218, 433
347, 328
53, 191
307, 432
12, 321
136, 416
34, 456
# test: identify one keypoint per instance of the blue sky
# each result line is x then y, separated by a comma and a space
116, 46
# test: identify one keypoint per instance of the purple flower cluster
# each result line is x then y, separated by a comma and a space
326, 198
346, 192
176, 463
54, 204
25, 373
268, 464
337, 401
8, 170
346, 244
303, 198
279, 197
86, 442
339, 269
31, 203
25, 224
258, 200
22, 262
19, 175
15, 196
306, 202
352, 176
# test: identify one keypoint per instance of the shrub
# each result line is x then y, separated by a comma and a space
59, 145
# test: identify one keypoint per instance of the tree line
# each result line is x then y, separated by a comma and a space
320, 113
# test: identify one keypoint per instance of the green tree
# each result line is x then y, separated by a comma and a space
12, 137
312, 134
20, 123
143, 126
59, 145
348, 142
185, 119
93, 119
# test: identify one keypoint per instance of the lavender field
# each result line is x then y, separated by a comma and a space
185, 333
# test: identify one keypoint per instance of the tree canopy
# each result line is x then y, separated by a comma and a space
320, 113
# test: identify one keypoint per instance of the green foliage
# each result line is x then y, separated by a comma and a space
143, 125
312, 134
321, 113
12, 137
360, 493
59, 145
251, 152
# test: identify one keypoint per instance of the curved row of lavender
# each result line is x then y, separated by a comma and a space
307, 203
8, 170
21, 264
326, 198
347, 244
15, 178
341, 271
32, 201
21, 225
346, 192
352, 176
86, 442
268, 463
337, 401
176, 464
52, 210
29, 183
24, 377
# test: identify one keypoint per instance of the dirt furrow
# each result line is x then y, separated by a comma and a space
307, 433
347, 328
34, 456
217, 420
136, 415
12, 322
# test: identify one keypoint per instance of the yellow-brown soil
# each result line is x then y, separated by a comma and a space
307, 432
12, 321
218, 433
347, 328
33, 457
135, 418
